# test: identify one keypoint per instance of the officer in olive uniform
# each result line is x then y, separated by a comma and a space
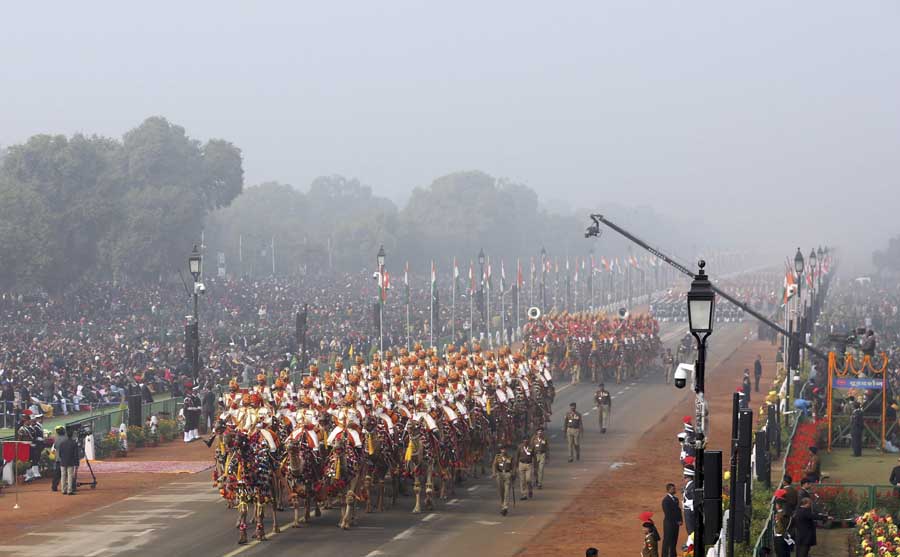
604, 407
525, 458
502, 470
541, 449
573, 427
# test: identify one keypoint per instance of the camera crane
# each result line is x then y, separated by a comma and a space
594, 231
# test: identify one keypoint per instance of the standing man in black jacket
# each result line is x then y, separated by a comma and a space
671, 522
68, 459
757, 372
805, 527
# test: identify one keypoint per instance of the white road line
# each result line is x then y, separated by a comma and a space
620, 392
144, 533
563, 388
406, 534
486, 522
453, 502
473, 488
95, 553
429, 517
375, 553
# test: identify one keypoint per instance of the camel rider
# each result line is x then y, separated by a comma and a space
502, 470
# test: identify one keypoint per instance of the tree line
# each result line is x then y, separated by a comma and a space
86, 208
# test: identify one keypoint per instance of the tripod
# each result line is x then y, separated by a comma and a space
93, 482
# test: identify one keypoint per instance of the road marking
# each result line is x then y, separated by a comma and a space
375, 553
144, 533
620, 392
452, 501
244, 548
473, 488
429, 517
563, 388
95, 553
486, 522
406, 534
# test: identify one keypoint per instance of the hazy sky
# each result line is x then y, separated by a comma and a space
751, 108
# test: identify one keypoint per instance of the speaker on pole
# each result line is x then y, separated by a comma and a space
135, 408
712, 496
763, 464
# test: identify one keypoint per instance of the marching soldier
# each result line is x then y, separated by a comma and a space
502, 470
687, 502
525, 458
34, 435
573, 428
604, 407
541, 448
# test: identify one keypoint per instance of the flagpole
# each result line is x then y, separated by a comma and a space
431, 319
488, 304
471, 302
453, 304
406, 282
502, 302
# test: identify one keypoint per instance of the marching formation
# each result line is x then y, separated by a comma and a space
342, 435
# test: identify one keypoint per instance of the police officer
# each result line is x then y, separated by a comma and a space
502, 470
604, 407
573, 428
541, 449
525, 458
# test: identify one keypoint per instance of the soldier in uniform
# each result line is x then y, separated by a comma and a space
35, 436
541, 449
604, 407
525, 458
651, 541
856, 429
687, 502
191, 408
573, 428
502, 470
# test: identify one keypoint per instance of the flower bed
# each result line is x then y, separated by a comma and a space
875, 536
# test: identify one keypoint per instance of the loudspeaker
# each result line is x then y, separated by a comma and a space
712, 496
135, 408
763, 464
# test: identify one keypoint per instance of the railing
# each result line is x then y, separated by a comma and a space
765, 543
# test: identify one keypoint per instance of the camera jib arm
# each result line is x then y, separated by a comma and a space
594, 231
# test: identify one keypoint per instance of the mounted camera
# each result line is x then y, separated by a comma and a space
682, 372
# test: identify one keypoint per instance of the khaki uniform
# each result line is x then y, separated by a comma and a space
526, 459
651, 545
503, 470
540, 448
574, 427
604, 408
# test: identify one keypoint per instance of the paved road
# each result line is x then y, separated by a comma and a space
188, 518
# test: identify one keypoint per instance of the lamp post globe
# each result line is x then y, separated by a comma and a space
194, 261
381, 257
481, 256
813, 260
798, 262
701, 304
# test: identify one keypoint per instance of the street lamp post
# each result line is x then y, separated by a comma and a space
380, 259
814, 269
483, 300
798, 268
701, 316
195, 260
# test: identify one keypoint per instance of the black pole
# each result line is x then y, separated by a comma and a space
732, 482
699, 386
195, 364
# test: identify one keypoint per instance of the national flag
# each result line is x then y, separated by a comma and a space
488, 278
605, 264
576, 270
433, 276
502, 276
520, 282
471, 278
